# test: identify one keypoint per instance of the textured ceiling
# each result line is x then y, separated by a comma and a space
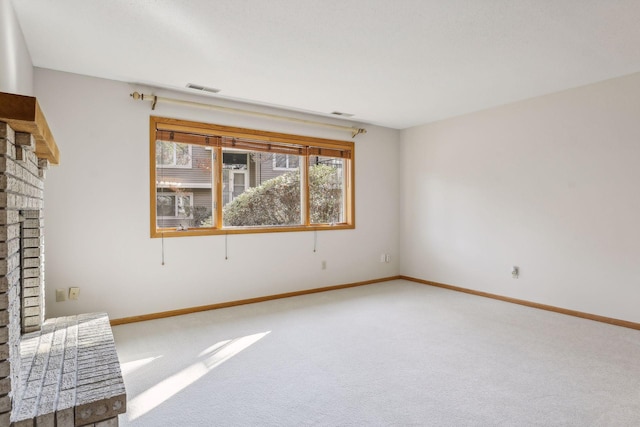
393, 63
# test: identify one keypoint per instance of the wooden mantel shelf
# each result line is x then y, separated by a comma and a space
23, 114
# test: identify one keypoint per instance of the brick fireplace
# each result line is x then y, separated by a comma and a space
21, 251
60, 372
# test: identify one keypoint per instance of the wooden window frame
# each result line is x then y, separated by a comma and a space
211, 134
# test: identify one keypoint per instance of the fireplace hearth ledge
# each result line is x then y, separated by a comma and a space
70, 375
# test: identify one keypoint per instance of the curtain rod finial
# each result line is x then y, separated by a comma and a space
135, 95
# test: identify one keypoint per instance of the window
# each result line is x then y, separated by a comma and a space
174, 205
275, 200
285, 161
173, 154
211, 179
326, 190
235, 179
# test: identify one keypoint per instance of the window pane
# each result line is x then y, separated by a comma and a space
184, 205
182, 155
286, 161
281, 160
184, 193
164, 153
238, 183
326, 190
165, 205
256, 193
226, 193
234, 170
294, 161
173, 154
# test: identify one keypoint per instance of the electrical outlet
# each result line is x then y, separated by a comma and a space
74, 293
387, 258
61, 295
324, 265
383, 258
515, 271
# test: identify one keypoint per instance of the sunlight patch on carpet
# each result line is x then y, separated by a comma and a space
206, 361
134, 365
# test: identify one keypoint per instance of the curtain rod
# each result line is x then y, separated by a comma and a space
155, 99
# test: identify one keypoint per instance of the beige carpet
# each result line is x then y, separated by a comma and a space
389, 354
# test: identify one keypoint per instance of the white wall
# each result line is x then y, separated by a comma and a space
97, 213
16, 69
547, 184
550, 184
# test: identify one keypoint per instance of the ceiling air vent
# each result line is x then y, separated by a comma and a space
338, 113
202, 88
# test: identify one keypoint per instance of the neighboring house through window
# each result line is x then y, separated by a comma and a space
172, 204
285, 162
235, 174
169, 154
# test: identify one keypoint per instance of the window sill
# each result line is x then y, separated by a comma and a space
172, 232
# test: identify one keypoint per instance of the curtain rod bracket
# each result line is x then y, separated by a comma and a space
356, 132
155, 99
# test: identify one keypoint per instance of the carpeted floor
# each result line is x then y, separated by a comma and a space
389, 354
